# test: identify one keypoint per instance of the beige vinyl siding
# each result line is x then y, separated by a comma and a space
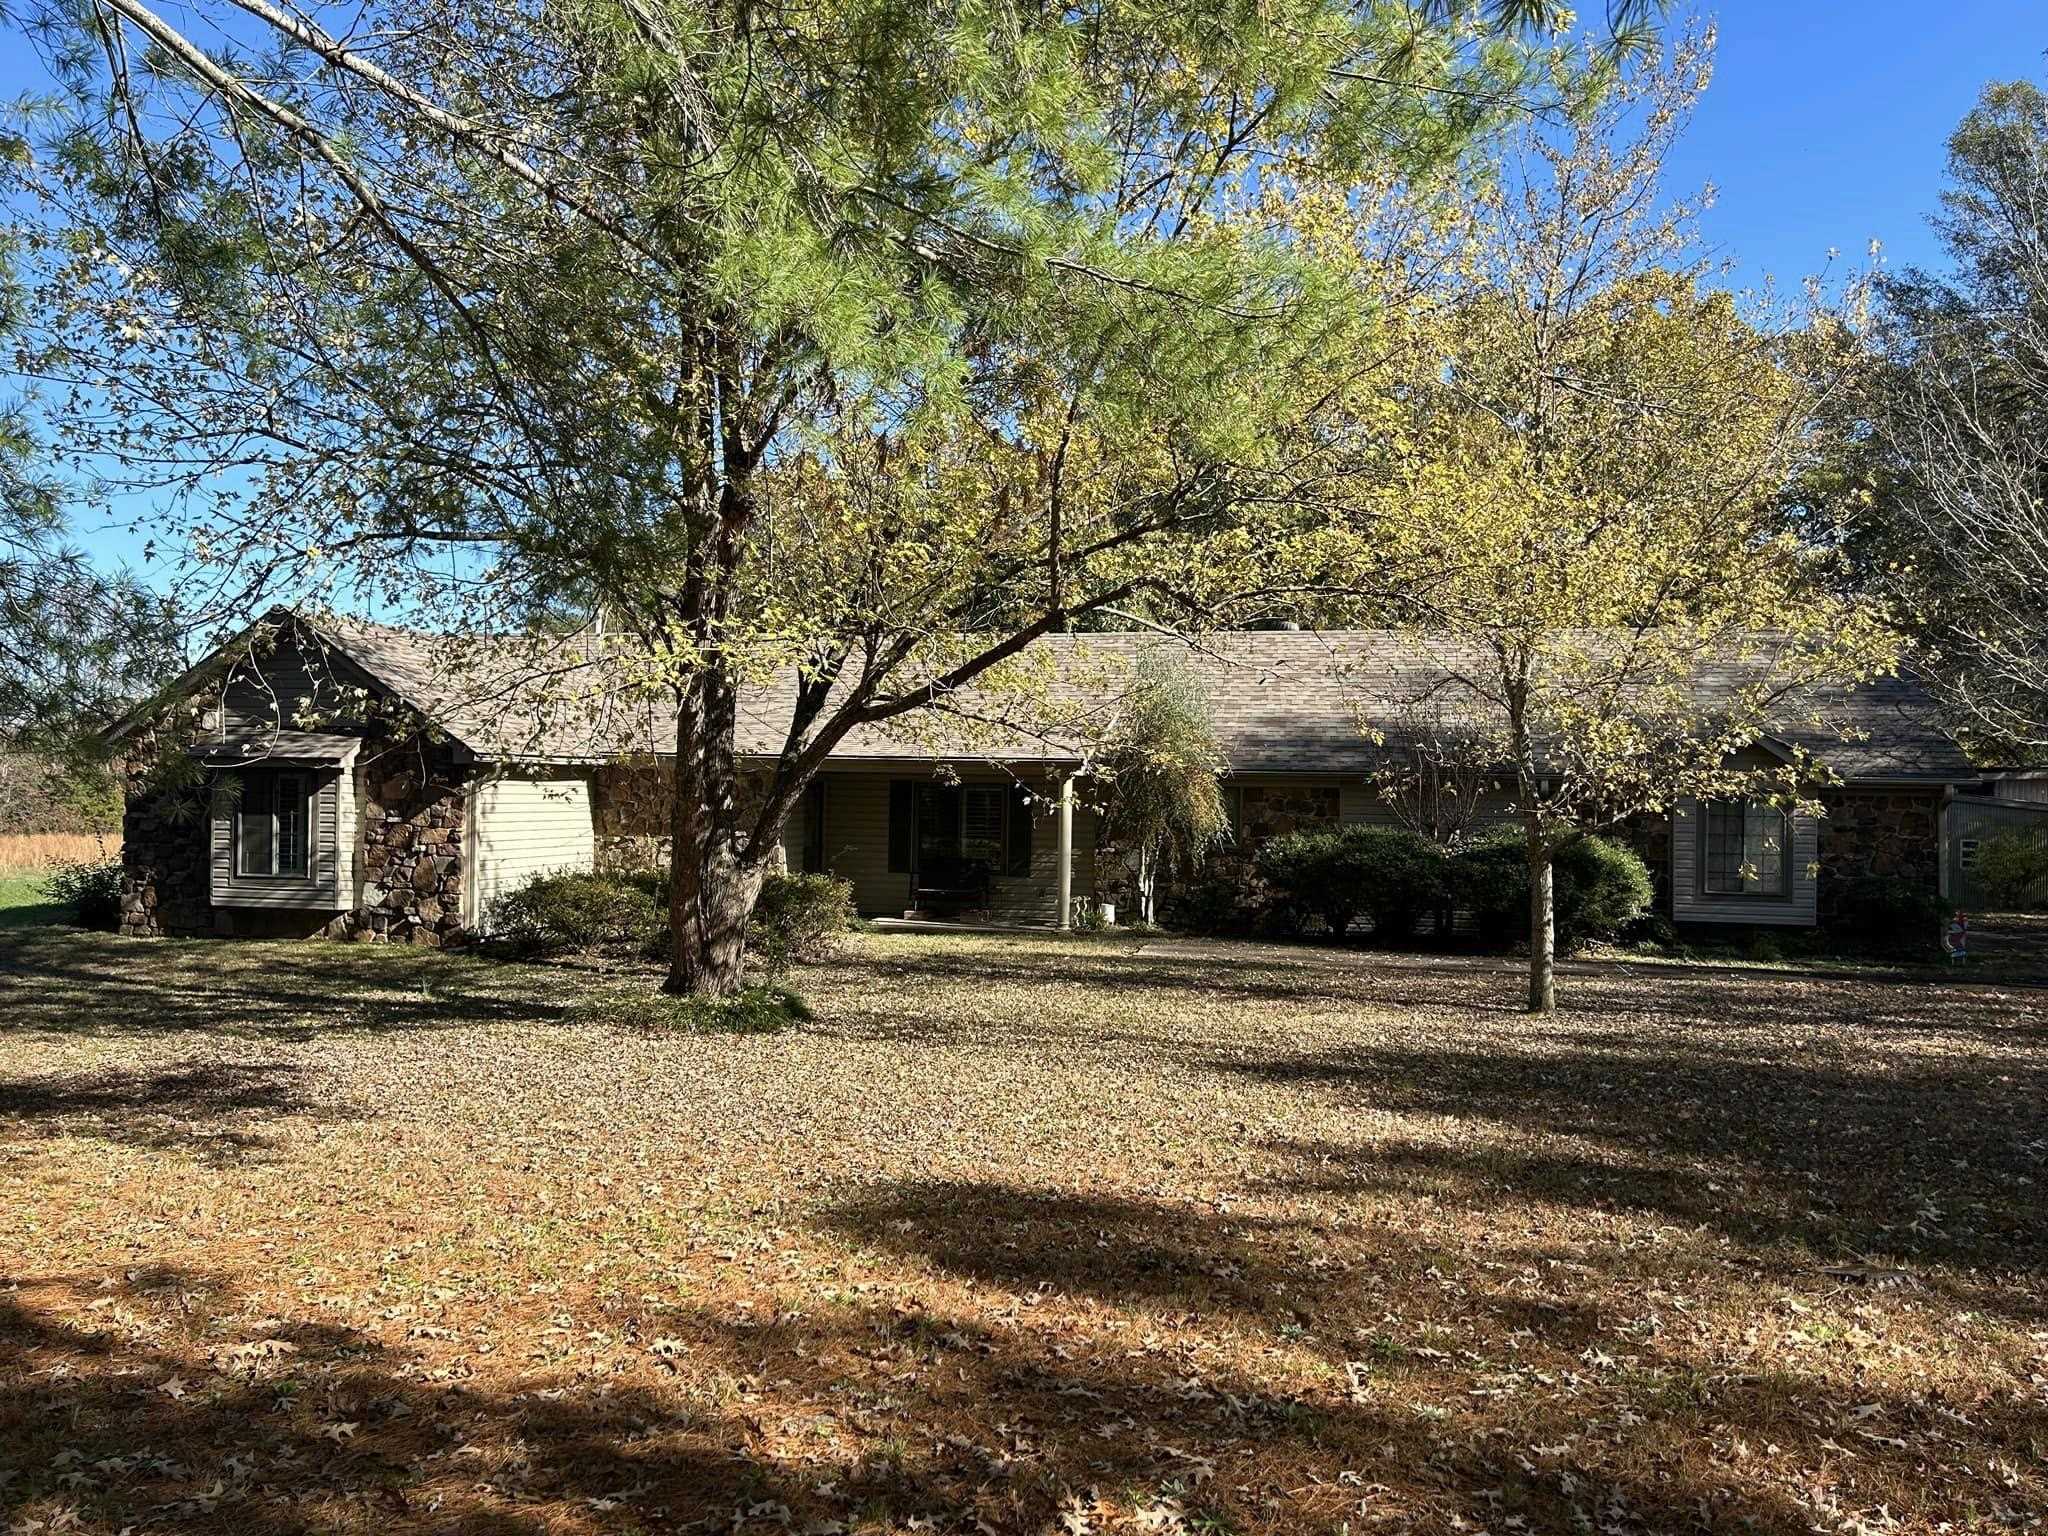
857, 848
348, 833
521, 827
1799, 908
325, 886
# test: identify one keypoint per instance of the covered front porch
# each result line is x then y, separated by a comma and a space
993, 845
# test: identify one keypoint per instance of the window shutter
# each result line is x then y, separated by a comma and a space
901, 817
814, 827
1020, 832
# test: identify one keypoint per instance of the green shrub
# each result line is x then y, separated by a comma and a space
799, 917
1301, 871
1387, 874
1397, 875
554, 914
2012, 870
1221, 899
751, 1011
1882, 914
91, 891
1599, 888
1489, 878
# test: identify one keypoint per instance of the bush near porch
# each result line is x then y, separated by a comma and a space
1395, 879
798, 917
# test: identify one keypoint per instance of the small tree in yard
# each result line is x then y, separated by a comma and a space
1584, 509
857, 341
1160, 768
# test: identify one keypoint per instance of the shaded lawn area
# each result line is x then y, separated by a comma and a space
22, 902
1016, 1236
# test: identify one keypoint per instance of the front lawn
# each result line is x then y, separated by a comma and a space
1015, 1236
22, 901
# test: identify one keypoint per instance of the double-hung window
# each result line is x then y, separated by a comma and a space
1747, 849
273, 825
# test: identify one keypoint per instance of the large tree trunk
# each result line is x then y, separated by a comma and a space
714, 879
1542, 925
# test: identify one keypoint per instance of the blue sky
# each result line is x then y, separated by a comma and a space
1827, 122
1825, 128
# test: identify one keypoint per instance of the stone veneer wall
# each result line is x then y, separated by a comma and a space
166, 855
414, 799
1889, 833
1274, 810
630, 807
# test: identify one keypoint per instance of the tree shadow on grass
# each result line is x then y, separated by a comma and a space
96, 984
158, 1402
217, 1111
1935, 1158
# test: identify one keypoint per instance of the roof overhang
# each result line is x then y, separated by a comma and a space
324, 748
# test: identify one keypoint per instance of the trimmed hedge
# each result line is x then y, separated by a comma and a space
1601, 888
1387, 875
565, 913
797, 917
1393, 877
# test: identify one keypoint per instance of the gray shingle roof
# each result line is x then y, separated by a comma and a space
1283, 702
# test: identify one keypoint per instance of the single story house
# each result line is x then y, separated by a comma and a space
378, 783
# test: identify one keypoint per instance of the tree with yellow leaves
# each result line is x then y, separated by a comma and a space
1580, 502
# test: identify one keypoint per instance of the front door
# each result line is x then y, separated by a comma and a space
936, 847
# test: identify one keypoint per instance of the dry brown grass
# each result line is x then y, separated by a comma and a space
1017, 1236
32, 852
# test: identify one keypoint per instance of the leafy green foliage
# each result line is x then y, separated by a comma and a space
1601, 887
91, 891
2012, 870
1159, 773
558, 913
1389, 874
799, 918
1489, 879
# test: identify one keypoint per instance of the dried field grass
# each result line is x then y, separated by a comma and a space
33, 852
1017, 1236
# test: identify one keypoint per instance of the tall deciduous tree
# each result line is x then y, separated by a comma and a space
1955, 488
799, 337
1585, 504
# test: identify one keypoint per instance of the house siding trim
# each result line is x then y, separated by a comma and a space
1799, 907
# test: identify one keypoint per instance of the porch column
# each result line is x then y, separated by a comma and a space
1066, 882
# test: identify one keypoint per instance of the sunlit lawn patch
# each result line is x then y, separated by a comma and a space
1084, 1237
